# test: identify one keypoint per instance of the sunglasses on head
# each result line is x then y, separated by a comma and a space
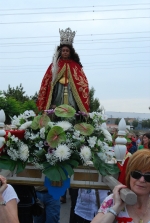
137, 175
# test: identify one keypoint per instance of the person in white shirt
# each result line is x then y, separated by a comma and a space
8, 203
87, 204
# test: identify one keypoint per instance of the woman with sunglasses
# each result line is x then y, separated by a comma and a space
113, 209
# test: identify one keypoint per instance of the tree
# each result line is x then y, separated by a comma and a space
16, 93
117, 121
135, 123
94, 102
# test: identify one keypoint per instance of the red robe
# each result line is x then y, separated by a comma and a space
76, 79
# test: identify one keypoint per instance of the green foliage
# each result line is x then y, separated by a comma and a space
94, 102
117, 121
135, 123
16, 93
14, 102
146, 123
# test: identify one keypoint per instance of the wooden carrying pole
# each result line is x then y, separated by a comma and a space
128, 196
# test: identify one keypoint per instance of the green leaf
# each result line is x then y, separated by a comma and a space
84, 128
62, 173
7, 164
20, 166
55, 136
40, 153
52, 173
74, 163
35, 122
65, 111
69, 169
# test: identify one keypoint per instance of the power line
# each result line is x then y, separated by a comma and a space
83, 41
73, 7
81, 55
73, 20
99, 34
92, 68
70, 12
103, 48
47, 43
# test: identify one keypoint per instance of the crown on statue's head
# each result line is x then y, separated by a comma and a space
67, 36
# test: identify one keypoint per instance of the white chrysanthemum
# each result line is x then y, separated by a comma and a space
92, 141
13, 153
62, 152
42, 133
25, 125
85, 153
23, 152
103, 125
64, 124
107, 134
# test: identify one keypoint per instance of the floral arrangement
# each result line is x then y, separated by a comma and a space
57, 141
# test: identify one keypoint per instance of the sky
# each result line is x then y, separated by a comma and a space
112, 40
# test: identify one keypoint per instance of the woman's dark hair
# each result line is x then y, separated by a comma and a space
148, 136
73, 55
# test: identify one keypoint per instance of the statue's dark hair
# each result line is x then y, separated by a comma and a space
73, 55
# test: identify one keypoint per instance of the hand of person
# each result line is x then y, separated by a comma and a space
3, 184
118, 203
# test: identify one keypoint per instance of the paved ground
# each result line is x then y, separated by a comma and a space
65, 210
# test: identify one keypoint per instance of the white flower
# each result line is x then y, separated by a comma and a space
85, 153
34, 136
14, 139
27, 134
38, 166
29, 113
13, 153
102, 156
103, 125
92, 141
106, 134
62, 152
39, 145
42, 133
25, 125
64, 124
23, 152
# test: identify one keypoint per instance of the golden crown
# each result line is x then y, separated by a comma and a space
67, 36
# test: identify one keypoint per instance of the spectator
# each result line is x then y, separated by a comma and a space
8, 203
113, 209
87, 204
145, 143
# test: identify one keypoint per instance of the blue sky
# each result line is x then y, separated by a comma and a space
112, 40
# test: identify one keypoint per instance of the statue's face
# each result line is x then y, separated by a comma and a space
65, 53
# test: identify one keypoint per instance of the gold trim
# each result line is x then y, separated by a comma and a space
74, 92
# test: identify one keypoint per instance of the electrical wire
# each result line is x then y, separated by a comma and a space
70, 12
73, 7
74, 20
32, 37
